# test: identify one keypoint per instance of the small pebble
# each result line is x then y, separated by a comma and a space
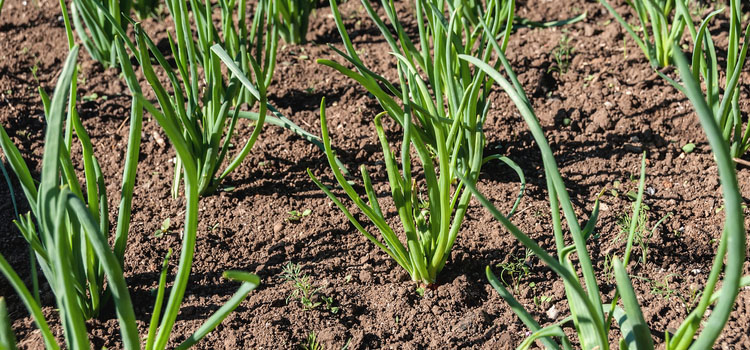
552, 313
277, 227
157, 138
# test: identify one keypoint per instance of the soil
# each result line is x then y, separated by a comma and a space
599, 117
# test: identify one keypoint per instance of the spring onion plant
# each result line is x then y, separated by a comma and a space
71, 241
293, 18
592, 324
441, 119
7, 338
452, 90
86, 274
145, 8
195, 123
96, 32
472, 11
199, 113
705, 65
661, 23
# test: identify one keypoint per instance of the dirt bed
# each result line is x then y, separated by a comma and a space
599, 117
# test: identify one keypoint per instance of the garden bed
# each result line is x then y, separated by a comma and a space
599, 117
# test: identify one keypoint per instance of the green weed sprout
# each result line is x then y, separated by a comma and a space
442, 123
592, 324
303, 289
725, 108
71, 243
293, 18
658, 30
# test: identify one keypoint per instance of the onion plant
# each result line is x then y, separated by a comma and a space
659, 27
201, 115
7, 338
86, 274
70, 239
452, 90
95, 31
442, 120
293, 18
145, 8
592, 324
725, 108
473, 11
194, 124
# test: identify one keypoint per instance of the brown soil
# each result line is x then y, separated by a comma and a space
616, 109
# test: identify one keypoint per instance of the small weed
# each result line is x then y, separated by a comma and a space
311, 343
93, 97
34, 70
539, 300
305, 291
296, 216
562, 54
164, 229
328, 304
666, 290
688, 148
642, 233
515, 270
663, 289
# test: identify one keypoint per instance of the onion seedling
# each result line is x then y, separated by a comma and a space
201, 115
293, 18
96, 32
442, 120
658, 30
591, 323
725, 108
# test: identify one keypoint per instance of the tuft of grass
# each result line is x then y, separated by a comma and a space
311, 343
562, 54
